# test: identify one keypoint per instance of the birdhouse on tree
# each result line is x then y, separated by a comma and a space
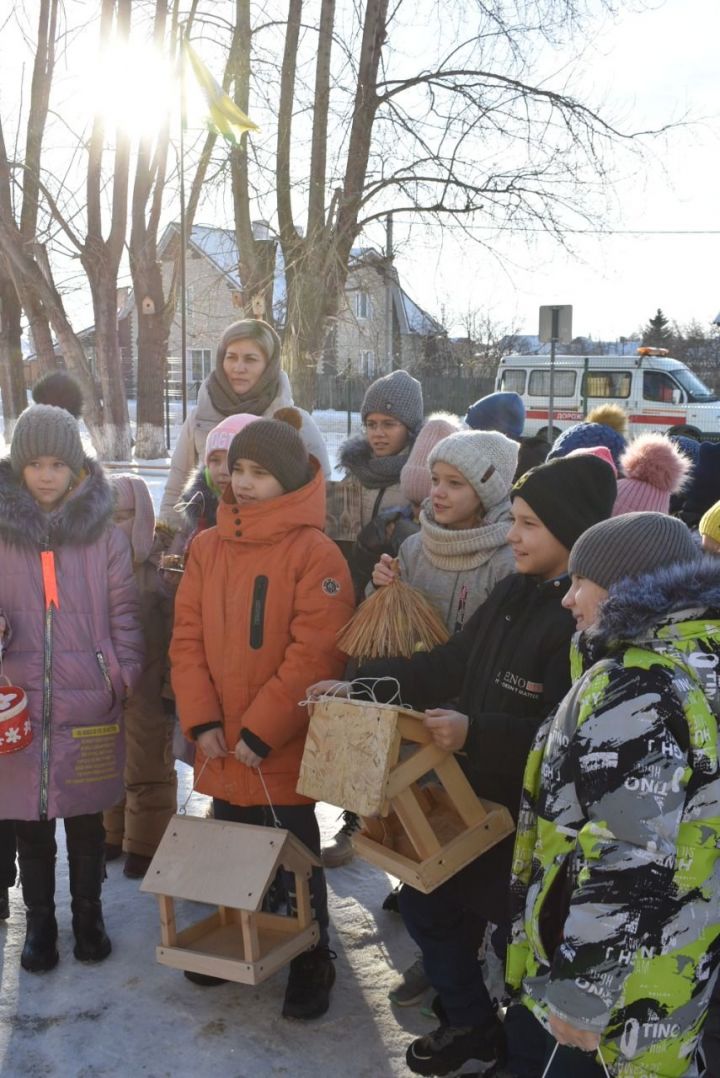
148, 305
370, 758
230, 866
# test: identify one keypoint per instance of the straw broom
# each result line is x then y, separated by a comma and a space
396, 620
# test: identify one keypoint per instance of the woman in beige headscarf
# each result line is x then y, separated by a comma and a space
247, 378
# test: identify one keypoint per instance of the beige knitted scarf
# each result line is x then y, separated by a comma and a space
469, 547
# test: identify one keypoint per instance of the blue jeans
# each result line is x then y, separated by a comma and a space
300, 821
449, 931
530, 1046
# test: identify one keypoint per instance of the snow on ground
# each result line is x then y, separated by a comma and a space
131, 1016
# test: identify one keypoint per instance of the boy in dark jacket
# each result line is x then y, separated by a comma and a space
508, 668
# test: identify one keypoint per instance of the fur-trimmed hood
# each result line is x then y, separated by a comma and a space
81, 518
199, 502
356, 457
636, 609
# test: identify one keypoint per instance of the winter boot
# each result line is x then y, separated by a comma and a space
4, 904
312, 975
449, 1047
37, 876
86, 878
340, 849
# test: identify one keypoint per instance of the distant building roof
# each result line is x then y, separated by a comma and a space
220, 247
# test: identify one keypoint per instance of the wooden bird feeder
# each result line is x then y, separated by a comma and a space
231, 866
423, 834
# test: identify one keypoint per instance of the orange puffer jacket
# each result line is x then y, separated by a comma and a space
256, 619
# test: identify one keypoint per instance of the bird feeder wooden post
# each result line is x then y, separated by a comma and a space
230, 866
370, 758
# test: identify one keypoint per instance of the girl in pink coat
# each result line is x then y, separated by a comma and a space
69, 597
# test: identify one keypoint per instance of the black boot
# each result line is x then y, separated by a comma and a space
4, 904
86, 878
37, 876
312, 975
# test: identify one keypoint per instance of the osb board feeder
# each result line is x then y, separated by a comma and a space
369, 758
230, 866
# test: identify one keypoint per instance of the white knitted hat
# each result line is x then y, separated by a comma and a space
486, 458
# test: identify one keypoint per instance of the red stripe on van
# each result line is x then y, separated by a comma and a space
669, 420
539, 413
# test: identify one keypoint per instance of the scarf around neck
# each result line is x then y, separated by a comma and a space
227, 402
372, 472
468, 548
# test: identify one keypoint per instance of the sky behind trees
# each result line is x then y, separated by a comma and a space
650, 67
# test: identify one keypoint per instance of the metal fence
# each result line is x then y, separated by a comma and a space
448, 393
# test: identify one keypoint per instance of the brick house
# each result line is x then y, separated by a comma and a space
377, 327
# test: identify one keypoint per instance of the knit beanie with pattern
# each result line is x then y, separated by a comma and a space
43, 430
587, 435
415, 475
398, 395
133, 496
502, 411
630, 546
277, 447
487, 459
569, 494
221, 436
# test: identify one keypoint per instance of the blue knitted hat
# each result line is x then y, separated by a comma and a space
688, 446
588, 436
503, 412
703, 489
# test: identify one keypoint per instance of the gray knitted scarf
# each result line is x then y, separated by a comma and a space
372, 472
227, 402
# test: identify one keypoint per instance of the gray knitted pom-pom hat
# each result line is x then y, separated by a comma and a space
43, 430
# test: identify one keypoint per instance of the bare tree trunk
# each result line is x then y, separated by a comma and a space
25, 269
40, 331
256, 257
100, 256
316, 267
154, 314
12, 376
152, 344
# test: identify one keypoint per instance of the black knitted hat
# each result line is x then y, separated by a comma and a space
569, 494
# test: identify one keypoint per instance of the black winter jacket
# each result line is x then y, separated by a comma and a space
509, 668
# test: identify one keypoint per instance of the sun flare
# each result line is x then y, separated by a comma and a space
133, 88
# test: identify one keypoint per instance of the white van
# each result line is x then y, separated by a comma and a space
657, 392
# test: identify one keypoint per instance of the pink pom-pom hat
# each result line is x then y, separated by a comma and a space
654, 469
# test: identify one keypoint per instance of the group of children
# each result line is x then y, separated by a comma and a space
603, 745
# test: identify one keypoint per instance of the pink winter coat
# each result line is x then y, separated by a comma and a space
75, 661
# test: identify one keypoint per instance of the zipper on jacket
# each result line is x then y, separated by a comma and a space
46, 715
106, 676
257, 614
